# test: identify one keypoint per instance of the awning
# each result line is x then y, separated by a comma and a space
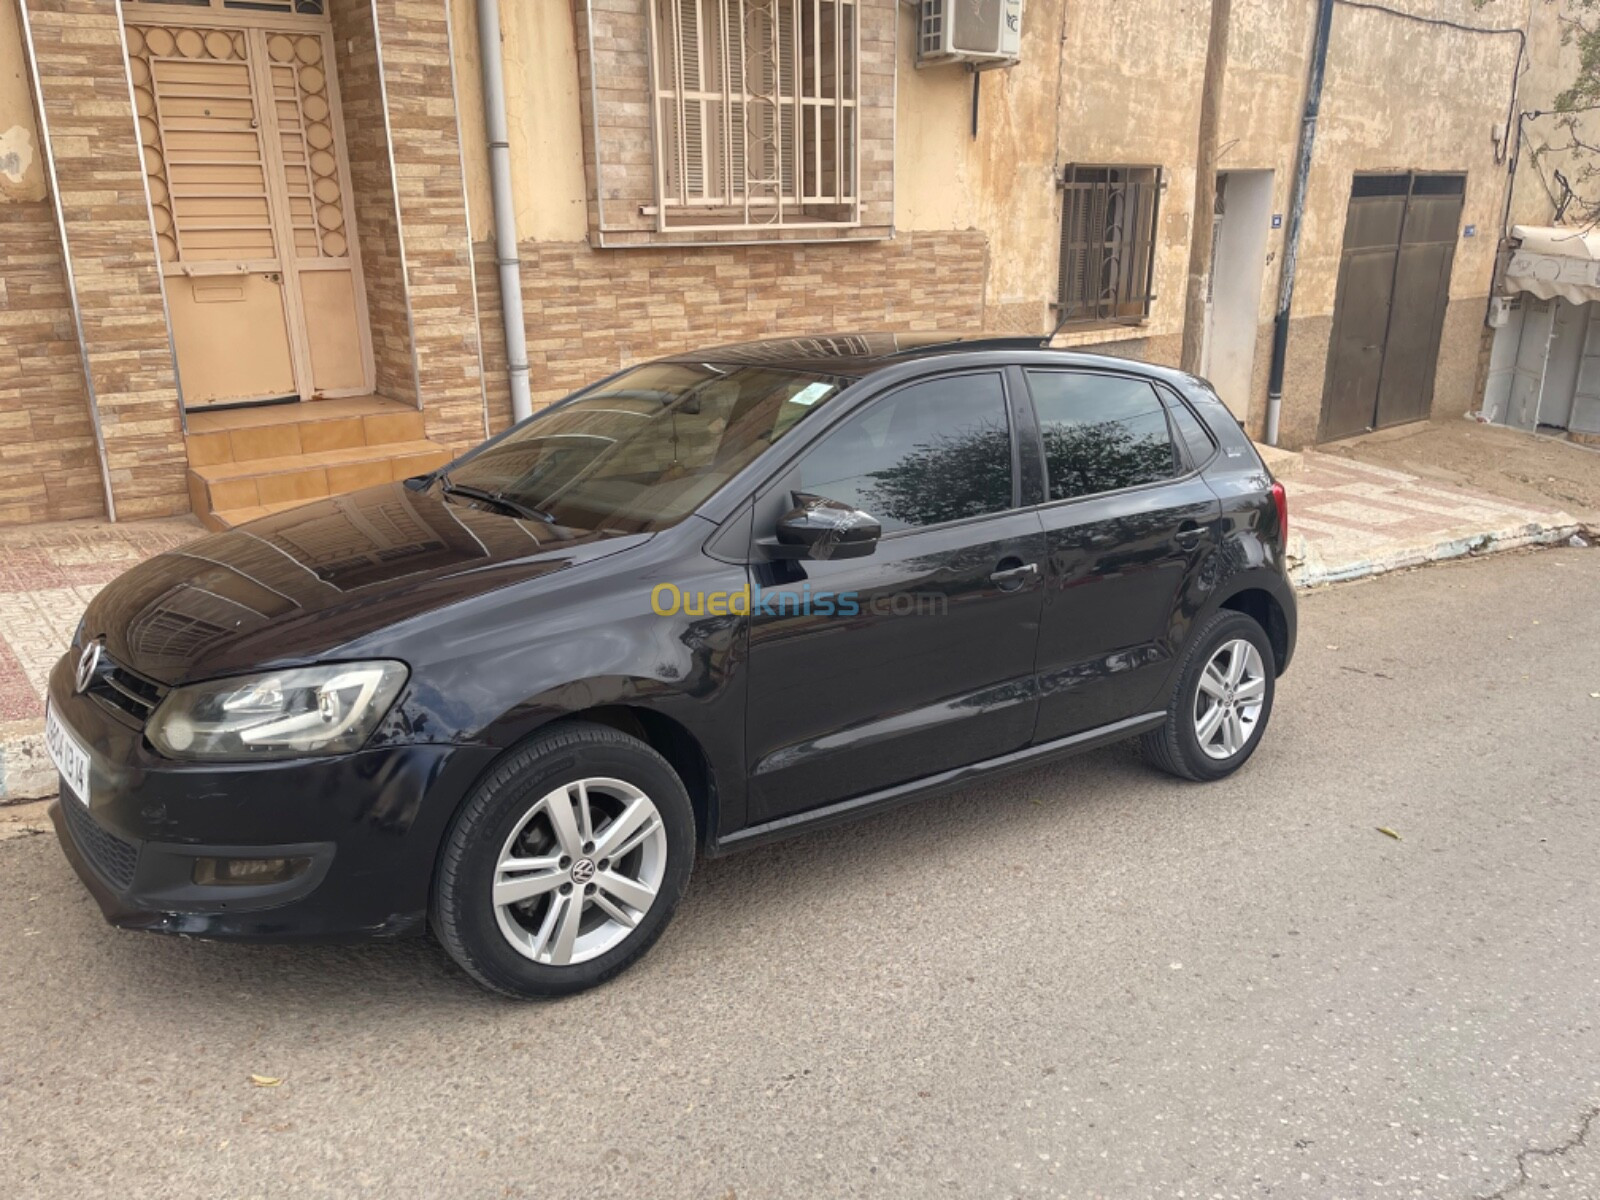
1555, 260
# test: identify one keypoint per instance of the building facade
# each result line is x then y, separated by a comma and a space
248, 247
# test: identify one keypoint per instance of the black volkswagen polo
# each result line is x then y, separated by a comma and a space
710, 601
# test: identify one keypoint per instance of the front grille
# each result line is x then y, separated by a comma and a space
108, 854
124, 692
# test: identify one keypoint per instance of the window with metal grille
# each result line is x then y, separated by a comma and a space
755, 113
1108, 230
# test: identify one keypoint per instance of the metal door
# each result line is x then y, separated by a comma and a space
251, 200
1527, 375
1585, 414
1394, 284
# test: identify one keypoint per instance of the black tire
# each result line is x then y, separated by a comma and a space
1175, 747
463, 912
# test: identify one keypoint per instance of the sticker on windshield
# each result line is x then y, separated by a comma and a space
811, 393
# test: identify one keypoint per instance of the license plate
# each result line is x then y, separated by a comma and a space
68, 754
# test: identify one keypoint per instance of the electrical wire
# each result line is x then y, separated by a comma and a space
1516, 157
1444, 23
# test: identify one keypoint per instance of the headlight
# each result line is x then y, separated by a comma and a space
330, 709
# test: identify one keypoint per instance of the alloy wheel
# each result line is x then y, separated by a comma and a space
1229, 700
580, 870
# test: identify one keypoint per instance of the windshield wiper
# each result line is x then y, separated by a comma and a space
498, 499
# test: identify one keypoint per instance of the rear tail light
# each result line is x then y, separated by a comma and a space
1280, 501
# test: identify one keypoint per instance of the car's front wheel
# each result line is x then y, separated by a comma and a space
565, 864
1220, 707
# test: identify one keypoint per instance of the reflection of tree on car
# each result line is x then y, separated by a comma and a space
960, 474
1105, 456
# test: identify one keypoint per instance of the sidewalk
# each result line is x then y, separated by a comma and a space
1350, 519
48, 573
1347, 520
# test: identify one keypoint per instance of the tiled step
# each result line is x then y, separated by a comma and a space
283, 481
311, 428
229, 517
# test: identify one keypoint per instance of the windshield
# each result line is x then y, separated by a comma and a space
645, 449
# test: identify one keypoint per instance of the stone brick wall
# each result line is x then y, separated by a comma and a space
87, 114
378, 239
619, 163
590, 312
430, 195
49, 469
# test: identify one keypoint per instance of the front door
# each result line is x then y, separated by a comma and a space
1128, 524
870, 672
250, 197
1394, 284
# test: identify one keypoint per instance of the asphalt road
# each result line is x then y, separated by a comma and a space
1088, 980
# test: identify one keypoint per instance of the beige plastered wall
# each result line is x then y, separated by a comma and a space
1553, 64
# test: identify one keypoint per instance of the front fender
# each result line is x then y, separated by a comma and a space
512, 663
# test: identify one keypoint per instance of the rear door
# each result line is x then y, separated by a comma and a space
1128, 523
869, 672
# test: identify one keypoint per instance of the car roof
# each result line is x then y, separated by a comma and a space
857, 355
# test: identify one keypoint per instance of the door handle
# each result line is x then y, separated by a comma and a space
1188, 535
1011, 578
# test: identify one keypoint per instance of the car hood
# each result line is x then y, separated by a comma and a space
301, 583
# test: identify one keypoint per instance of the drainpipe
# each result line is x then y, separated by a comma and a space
1202, 224
505, 217
1297, 207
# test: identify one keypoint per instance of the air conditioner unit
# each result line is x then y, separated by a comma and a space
980, 32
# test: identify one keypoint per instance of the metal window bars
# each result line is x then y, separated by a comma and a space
755, 113
1108, 229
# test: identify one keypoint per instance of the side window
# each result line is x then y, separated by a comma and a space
929, 453
1101, 432
1192, 432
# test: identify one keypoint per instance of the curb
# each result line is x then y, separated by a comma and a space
1282, 463
26, 772
1308, 569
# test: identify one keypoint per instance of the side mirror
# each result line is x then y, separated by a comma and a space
824, 529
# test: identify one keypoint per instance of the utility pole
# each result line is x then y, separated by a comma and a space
1205, 188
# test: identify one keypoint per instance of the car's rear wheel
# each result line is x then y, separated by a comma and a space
566, 864
1219, 710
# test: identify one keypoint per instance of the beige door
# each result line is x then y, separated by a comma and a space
250, 196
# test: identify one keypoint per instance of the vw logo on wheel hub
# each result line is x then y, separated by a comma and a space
88, 663
583, 870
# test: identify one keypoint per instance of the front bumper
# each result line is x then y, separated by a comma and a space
365, 826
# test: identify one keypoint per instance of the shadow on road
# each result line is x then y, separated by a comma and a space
731, 900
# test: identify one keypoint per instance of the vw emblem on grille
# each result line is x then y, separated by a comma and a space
583, 870
88, 663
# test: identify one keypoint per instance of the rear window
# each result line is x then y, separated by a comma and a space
1102, 433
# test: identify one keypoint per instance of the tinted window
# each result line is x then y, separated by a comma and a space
1101, 432
1193, 433
932, 452
643, 450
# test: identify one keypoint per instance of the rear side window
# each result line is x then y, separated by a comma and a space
928, 453
1101, 433
1193, 433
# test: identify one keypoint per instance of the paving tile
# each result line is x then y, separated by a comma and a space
48, 574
